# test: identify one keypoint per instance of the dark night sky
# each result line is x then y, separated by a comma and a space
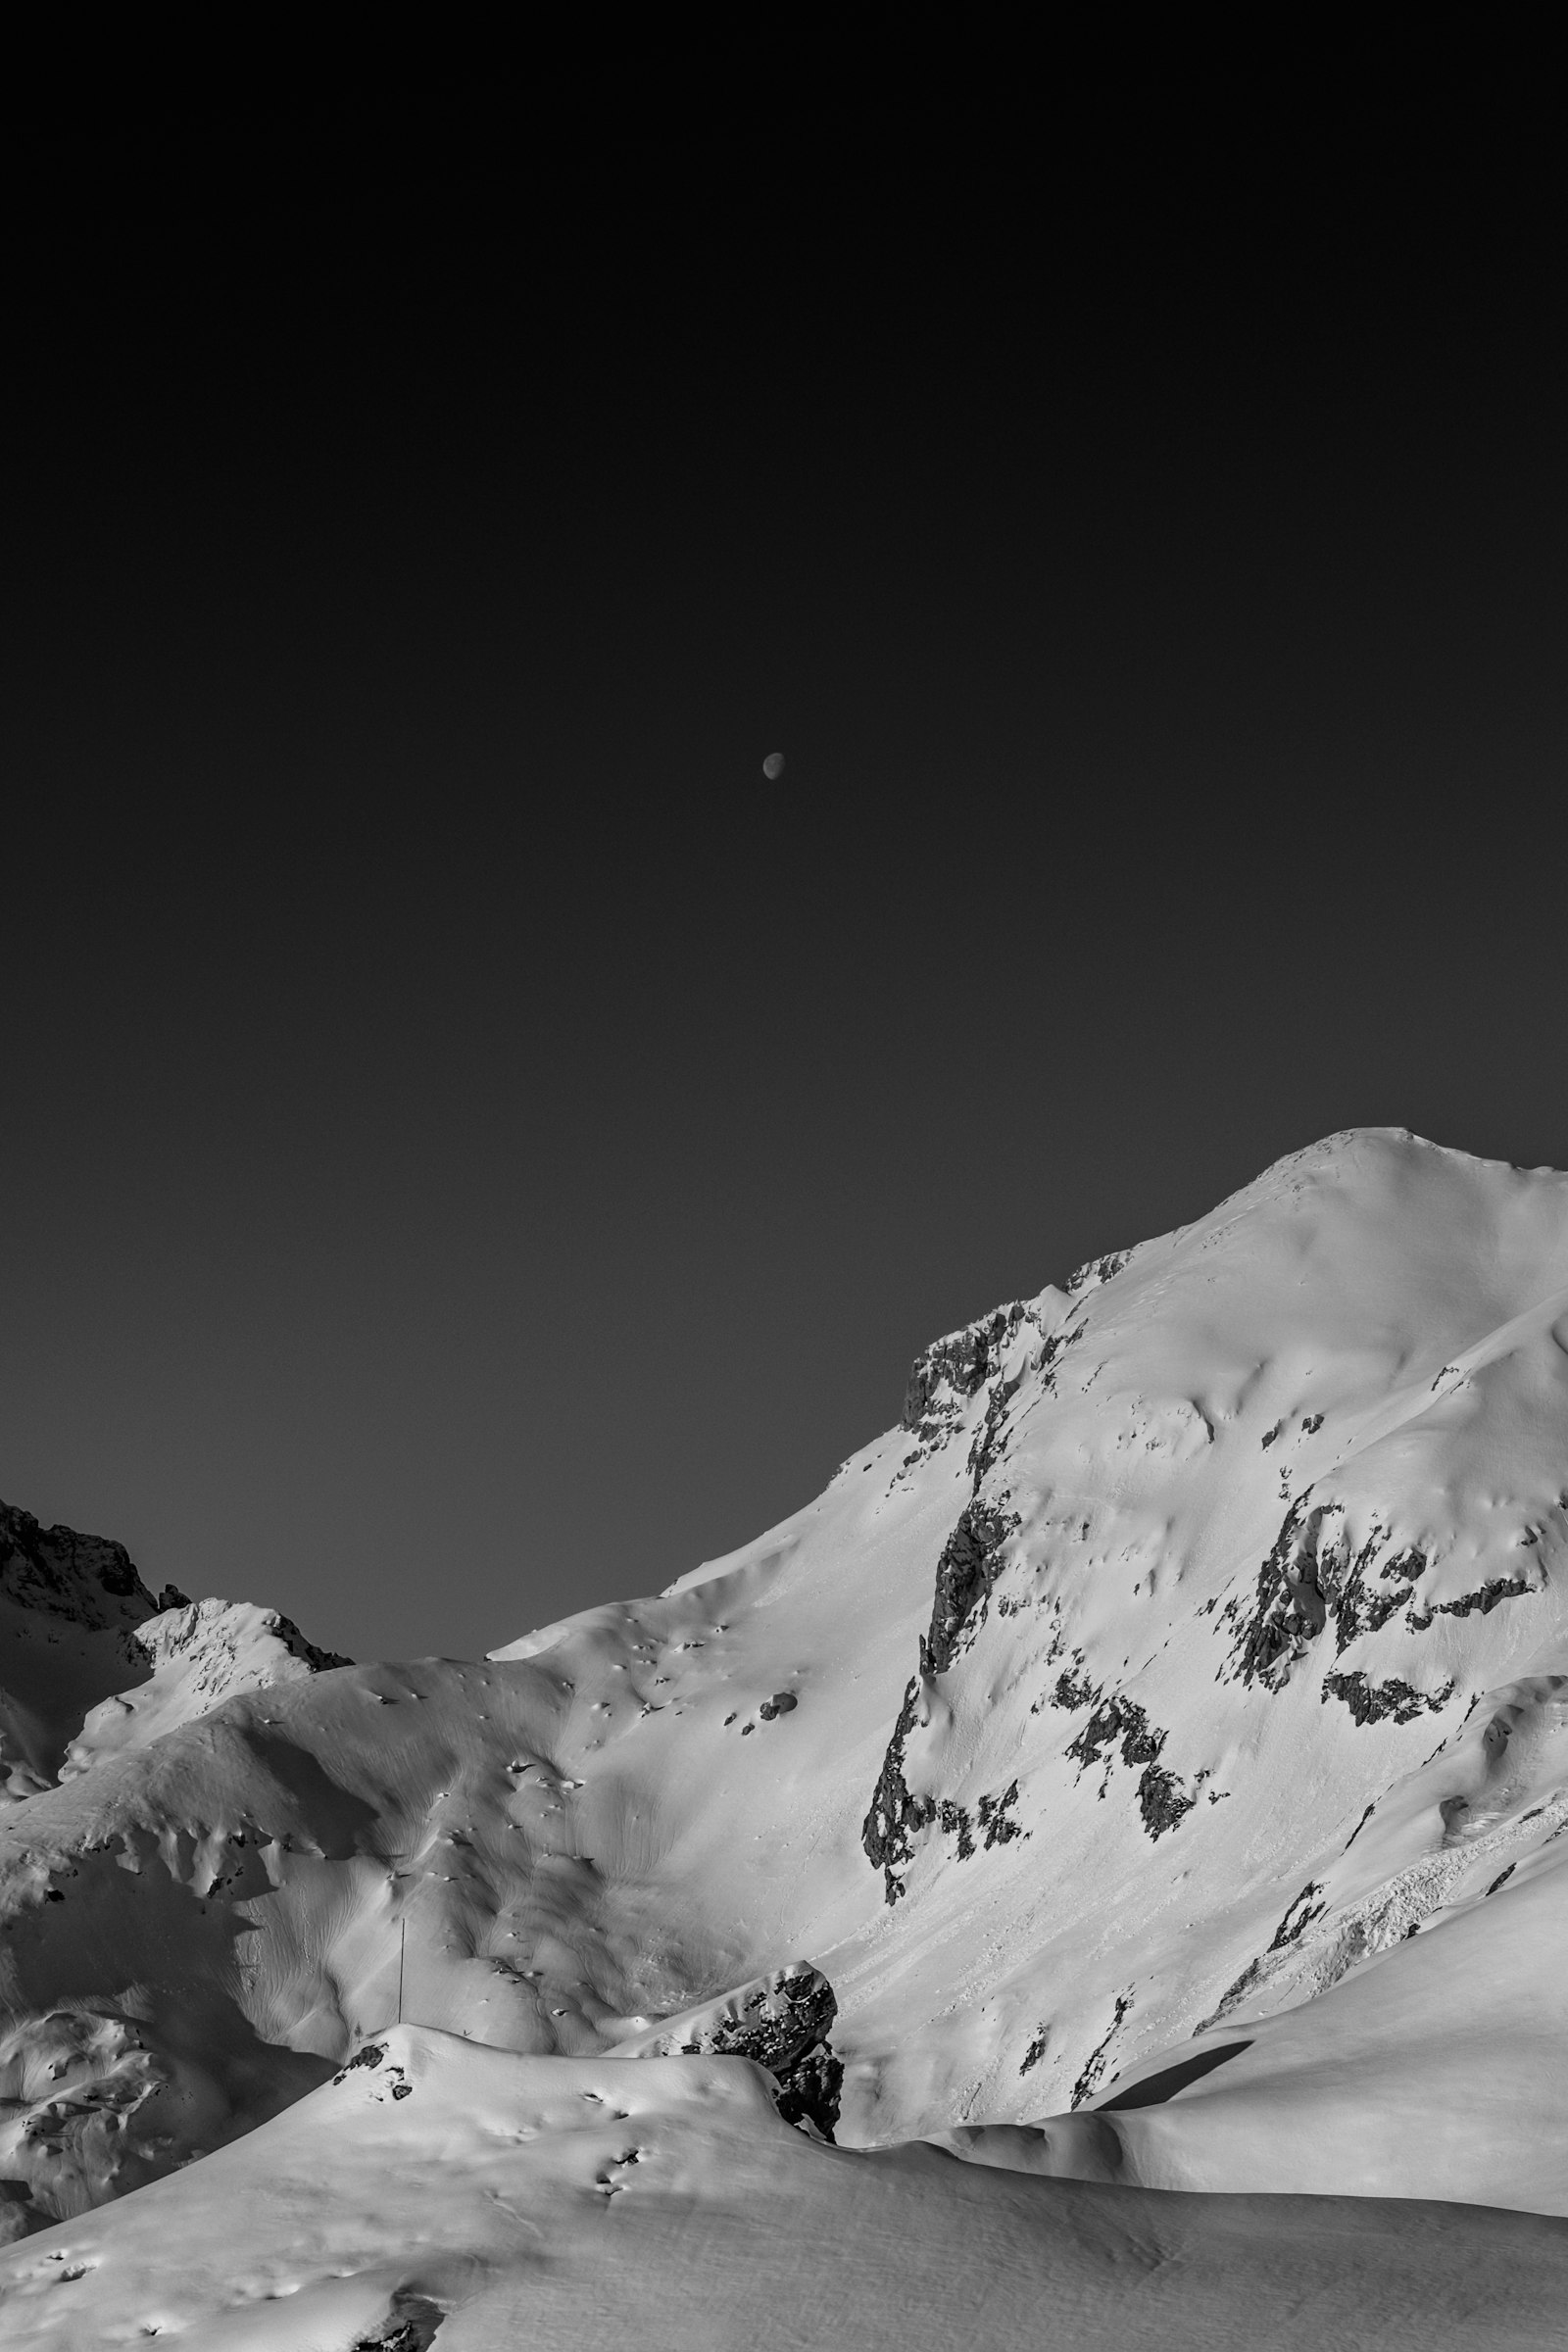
473, 1147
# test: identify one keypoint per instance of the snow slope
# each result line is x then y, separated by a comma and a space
1184, 1680
436, 2188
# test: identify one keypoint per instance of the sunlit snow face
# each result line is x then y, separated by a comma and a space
1191, 1643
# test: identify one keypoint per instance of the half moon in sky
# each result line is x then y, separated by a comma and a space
774, 766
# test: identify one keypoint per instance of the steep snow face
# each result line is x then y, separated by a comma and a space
1252, 1527
1194, 1638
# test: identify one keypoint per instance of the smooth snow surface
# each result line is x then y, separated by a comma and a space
1158, 1742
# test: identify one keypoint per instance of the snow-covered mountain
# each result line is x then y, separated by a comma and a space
1143, 1770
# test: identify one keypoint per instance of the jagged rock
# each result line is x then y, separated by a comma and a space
895, 1815
87, 1580
964, 1573
961, 1363
1371, 1702
781, 2020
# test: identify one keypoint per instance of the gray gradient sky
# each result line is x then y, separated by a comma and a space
472, 1147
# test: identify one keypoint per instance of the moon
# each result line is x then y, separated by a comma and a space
774, 766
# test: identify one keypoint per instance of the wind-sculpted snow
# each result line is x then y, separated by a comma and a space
1153, 1754
439, 2192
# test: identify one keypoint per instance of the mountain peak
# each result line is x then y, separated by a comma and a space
1127, 1770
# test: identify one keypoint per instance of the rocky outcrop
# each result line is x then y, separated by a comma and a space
1313, 1578
87, 1579
1097, 1271
1484, 1601
1120, 1722
782, 2022
965, 1571
896, 1814
959, 1367
1371, 1702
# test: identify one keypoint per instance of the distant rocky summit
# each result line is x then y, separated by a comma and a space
1143, 1770
91, 1661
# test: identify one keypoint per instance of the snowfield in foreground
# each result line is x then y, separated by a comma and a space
1124, 1813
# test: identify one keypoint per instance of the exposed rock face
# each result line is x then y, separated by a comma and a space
1370, 1703
965, 1573
957, 1367
896, 1814
70, 1609
782, 2021
87, 1580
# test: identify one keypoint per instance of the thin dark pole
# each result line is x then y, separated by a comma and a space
403, 1946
